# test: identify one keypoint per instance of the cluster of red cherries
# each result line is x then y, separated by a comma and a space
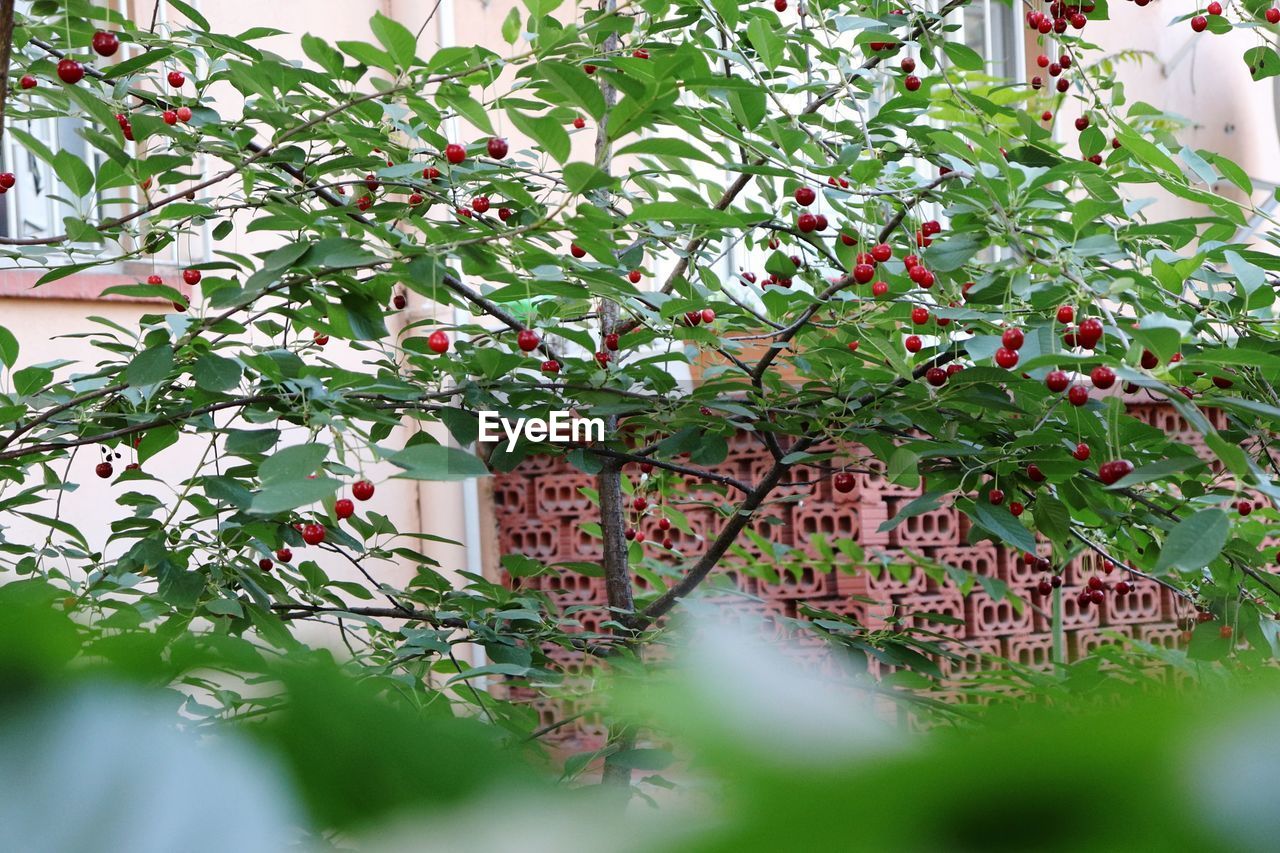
313, 533
640, 504
1093, 592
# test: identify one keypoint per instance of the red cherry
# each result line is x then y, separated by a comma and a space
640, 53
551, 366
364, 202
70, 71
577, 251
921, 276
415, 198
931, 227
881, 252
321, 340
919, 315
843, 482
853, 346
505, 213
910, 261
1082, 123
1273, 16
284, 555
805, 196
634, 276
640, 504
1078, 395
480, 204
313, 534
1214, 8
708, 315
1046, 116
1149, 360
1016, 509
1225, 631
1044, 588
1057, 381
170, 117
362, 490
455, 153
1123, 588
1042, 61
1006, 358
590, 69
611, 341
1222, 382
528, 340
863, 273
154, 279
184, 114
28, 82
438, 341
907, 64
1111, 472
344, 508
912, 82
176, 79
7, 180
104, 470
497, 148
602, 359
1102, 376
1089, 333
265, 564
1198, 23
1081, 452
693, 318
807, 222
936, 376
996, 497
105, 44
879, 289
579, 122
191, 276
1012, 338
913, 343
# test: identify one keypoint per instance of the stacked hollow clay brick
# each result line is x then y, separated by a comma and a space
540, 508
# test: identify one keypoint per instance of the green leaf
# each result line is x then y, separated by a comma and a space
575, 85
396, 38
511, 26
8, 348
1001, 522
292, 464
282, 497
216, 374
73, 172
683, 213
147, 291
189, 12
667, 147
30, 380
766, 42
1195, 541
1158, 471
150, 367
1052, 517
545, 131
583, 177
250, 441
437, 462
963, 56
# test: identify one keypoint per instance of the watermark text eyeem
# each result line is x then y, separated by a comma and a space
557, 427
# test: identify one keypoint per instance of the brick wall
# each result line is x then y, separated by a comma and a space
540, 510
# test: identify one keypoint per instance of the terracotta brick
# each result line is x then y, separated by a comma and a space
1073, 614
989, 618
1142, 604
833, 521
557, 494
1033, 650
915, 608
1084, 641
1169, 636
936, 527
980, 559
